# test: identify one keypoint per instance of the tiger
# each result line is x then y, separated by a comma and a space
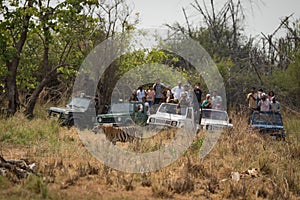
117, 134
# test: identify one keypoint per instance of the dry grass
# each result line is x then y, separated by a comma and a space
66, 170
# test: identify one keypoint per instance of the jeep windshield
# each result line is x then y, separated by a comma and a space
214, 114
79, 102
267, 118
172, 109
121, 108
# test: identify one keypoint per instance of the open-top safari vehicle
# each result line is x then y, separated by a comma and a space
168, 114
268, 123
124, 114
212, 119
80, 111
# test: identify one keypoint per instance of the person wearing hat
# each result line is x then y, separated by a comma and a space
264, 103
207, 102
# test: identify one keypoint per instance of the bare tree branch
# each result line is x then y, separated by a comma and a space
187, 22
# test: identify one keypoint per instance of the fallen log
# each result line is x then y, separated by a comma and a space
16, 168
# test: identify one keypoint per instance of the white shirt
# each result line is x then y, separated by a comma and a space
140, 94
275, 107
264, 105
216, 100
177, 91
147, 108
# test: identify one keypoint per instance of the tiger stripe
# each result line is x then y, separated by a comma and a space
117, 134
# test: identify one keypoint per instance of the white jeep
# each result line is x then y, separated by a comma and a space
213, 119
170, 115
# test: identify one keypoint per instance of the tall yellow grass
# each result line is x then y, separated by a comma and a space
66, 170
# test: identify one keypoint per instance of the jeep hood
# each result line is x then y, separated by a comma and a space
269, 127
215, 122
168, 116
62, 110
110, 115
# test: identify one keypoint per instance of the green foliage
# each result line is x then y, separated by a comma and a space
57, 34
196, 145
288, 81
139, 68
64, 33
225, 65
156, 56
292, 76
141, 57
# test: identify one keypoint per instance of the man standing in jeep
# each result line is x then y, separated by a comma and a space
251, 98
158, 88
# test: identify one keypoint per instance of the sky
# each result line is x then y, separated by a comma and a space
261, 16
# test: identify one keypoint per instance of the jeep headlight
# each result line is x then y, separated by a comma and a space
66, 112
152, 120
208, 127
119, 119
174, 123
99, 119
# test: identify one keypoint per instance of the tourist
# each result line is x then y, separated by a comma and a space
176, 91
158, 88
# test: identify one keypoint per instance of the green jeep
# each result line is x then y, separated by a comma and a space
80, 111
124, 114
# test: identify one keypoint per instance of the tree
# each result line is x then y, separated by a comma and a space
115, 16
64, 22
221, 35
14, 30
43, 44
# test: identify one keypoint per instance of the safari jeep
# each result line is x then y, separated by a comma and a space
168, 114
213, 119
268, 123
124, 114
80, 111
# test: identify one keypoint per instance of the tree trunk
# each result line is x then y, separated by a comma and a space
48, 73
34, 97
106, 86
12, 92
12, 66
